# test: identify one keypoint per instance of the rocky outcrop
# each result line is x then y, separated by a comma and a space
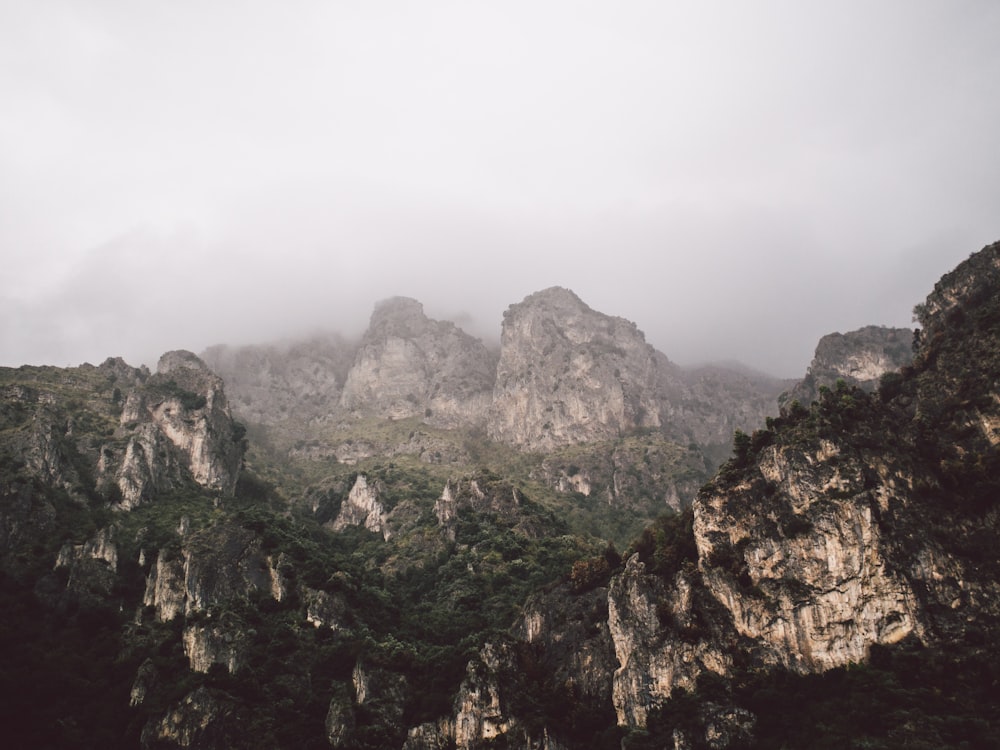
91, 566
858, 358
206, 644
480, 495
645, 616
324, 609
803, 570
362, 507
568, 374
219, 564
411, 366
182, 405
201, 720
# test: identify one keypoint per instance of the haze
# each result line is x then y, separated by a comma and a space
737, 178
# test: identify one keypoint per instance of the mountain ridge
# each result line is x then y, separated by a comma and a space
346, 579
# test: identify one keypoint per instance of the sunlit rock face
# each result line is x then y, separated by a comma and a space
411, 366
207, 644
652, 657
858, 358
802, 565
568, 374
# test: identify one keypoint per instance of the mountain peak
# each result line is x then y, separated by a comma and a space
180, 359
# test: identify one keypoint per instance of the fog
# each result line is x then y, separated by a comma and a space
737, 178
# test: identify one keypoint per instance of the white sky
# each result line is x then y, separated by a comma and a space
738, 178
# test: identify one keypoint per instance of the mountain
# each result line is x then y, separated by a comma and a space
393, 562
565, 375
860, 530
410, 366
568, 374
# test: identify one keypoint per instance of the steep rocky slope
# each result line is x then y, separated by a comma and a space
409, 365
858, 358
569, 374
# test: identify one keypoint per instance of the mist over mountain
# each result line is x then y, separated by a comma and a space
341, 543
530, 375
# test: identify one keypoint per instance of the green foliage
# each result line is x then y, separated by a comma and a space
668, 544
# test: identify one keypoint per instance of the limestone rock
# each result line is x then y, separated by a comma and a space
568, 374
197, 721
175, 423
206, 644
411, 366
324, 609
822, 589
858, 358
480, 715
652, 658
363, 508
92, 566
219, 564
340, 721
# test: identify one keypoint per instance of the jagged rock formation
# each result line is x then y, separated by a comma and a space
858, 358
222, 563
409, 365
568, 374
183, 405
363, 508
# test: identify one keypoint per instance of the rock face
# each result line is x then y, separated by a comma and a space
363, 508
176, 424
200, 720
220, 564
858, 358
568, 374
823, 589
409, 365
652, 659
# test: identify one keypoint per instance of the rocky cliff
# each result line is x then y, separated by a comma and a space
569, 374
409, 365
859, 358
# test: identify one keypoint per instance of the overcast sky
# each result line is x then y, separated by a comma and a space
738, 178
